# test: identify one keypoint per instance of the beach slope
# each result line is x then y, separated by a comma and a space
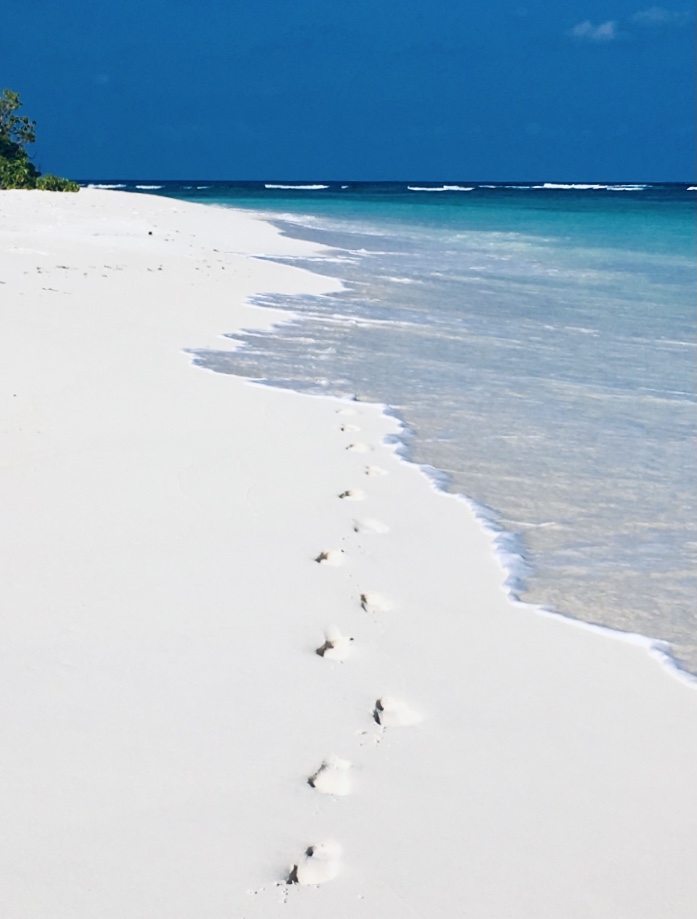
253, 664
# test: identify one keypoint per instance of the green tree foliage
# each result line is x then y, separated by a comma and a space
16, 131
50, 182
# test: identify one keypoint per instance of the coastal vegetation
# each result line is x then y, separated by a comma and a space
16, 133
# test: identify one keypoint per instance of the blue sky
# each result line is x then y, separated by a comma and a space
415, 89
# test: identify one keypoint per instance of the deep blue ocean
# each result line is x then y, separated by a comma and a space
538, 342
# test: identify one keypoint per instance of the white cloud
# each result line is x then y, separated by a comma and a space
653, 18
658, 16
586, 31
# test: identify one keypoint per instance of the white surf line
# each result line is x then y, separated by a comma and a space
295, 187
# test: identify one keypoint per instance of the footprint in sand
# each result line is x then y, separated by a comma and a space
319, 864
352, 494
350, 428
359, 448
333, 777
369, 525
375, 603
331, 557
391, 712
336, 647
375, 470
346, 411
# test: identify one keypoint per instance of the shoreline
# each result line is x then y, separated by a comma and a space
509, 546
507, 558
166, 702
662, 613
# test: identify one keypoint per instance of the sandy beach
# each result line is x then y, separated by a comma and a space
244, 642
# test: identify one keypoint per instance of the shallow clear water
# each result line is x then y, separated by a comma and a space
539, 344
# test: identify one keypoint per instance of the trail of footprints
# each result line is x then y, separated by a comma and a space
321, 862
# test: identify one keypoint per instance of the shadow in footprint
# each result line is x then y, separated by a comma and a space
390, 712
331, 557
319, 864
370, 525
352, 494
333, 777
336, 647
375, 603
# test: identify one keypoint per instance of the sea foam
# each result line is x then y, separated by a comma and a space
504, 339
572, 185
439, 188
296, 187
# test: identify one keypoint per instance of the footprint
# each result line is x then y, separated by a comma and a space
333, 777
390, 712
319, 864
375, 470
346, 411
375, 603
337, 647
331, 557
352, 494
358, 448
370, 525
350, 428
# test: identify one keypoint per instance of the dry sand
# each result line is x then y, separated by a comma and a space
177, 546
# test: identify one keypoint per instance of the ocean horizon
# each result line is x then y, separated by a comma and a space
537, 342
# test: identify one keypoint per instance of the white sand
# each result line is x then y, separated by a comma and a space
163, 704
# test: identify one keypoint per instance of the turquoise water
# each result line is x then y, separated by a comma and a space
539, 345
